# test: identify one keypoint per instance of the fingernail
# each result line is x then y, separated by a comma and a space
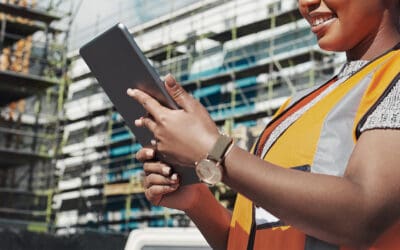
138, 122
169, 80
174, 177
150, 153
166, 170
130, 92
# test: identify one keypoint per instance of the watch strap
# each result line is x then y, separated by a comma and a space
220, 147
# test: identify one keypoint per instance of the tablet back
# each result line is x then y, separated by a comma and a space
118, 64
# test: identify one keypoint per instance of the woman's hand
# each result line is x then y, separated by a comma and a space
162, 187
195, 200
183, 136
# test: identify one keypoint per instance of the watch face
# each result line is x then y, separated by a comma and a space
209, 172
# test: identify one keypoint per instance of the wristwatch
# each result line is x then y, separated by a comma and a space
209, 169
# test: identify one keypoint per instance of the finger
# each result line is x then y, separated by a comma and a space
139, 122
158, 168
151, 105
146, 122
176, 91
145, 154
156, 179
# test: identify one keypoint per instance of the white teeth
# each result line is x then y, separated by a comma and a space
320, 20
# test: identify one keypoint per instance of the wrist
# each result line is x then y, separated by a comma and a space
210, 168
207, 145
227, 161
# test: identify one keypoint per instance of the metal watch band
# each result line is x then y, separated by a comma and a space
219, 148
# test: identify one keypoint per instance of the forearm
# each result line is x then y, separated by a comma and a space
327, 207
212, 219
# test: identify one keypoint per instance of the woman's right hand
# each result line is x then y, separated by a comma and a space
162, 188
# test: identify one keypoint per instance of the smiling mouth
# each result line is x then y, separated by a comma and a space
317, 20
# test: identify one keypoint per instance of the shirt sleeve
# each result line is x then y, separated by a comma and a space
387, 113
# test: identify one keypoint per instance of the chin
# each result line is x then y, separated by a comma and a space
331, 44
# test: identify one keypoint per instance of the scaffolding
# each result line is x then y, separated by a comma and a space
32, 79
241, 59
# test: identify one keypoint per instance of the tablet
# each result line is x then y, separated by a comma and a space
118, 64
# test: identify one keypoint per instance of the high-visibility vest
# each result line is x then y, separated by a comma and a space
319, 140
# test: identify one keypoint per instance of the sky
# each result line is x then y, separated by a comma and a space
90, 14
95, 16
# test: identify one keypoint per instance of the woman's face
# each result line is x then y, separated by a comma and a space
341, 25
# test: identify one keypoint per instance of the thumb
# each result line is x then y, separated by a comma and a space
176, 91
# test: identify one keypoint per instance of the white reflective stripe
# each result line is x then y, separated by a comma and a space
264, 217
336, 143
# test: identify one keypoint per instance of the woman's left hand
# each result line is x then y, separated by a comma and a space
183, 136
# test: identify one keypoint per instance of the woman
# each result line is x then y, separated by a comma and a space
343, 136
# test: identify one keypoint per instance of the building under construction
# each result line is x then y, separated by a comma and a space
67, 160
32, 83
240, 58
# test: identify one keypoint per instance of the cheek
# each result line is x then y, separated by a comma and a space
338, 38
302, 10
